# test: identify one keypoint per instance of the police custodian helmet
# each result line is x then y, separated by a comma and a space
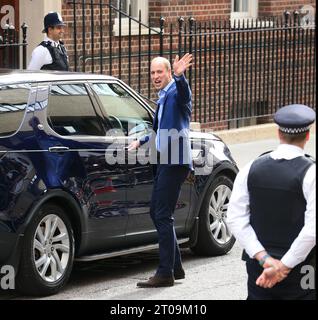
52, 19
295, 118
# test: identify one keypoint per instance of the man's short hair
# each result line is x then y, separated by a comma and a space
162, 60
294, 138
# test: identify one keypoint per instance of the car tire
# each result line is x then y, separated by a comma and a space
48, 253
214, 237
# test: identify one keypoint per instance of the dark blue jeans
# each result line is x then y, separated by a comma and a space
167, 186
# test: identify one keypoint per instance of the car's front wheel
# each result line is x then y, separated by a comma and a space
48, 252
214, 236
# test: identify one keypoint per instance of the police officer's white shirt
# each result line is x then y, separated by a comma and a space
238, 216
41, 55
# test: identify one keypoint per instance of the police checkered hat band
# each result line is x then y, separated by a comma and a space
295, 118
294, 130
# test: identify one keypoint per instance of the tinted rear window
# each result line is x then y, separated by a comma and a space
13, 102
71, 112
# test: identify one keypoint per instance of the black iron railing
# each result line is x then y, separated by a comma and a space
12, 51
243, 70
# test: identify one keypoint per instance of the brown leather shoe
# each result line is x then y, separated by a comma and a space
179, 274
157, 281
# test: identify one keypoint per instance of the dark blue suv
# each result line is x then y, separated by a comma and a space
64, 198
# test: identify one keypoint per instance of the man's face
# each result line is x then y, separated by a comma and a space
160, 75
56, 33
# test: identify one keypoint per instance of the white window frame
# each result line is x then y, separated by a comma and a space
251, 14
142, 5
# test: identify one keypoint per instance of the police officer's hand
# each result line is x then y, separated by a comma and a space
274, 271
283, 270
269, 277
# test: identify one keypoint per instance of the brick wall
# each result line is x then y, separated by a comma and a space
226, 81
203, 10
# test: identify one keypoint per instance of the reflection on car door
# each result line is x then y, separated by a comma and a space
74, 136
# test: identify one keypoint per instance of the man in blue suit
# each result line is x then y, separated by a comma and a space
171, 134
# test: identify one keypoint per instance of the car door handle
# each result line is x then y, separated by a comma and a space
59, 149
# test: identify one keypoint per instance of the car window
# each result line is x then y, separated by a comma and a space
13, 102
70, 111
122, 110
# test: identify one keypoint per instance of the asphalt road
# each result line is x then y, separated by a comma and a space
115, 279
215, 278
245, 152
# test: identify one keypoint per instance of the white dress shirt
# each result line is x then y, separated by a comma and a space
238, 215
162, 94
41, 56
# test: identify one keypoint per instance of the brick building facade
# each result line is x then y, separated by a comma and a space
201, 10
211, 85
94, 45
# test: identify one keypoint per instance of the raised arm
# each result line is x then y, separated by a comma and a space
179, 67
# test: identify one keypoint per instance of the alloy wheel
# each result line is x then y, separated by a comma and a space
51, 248
218, 206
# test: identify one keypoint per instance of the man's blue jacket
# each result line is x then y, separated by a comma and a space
175, 144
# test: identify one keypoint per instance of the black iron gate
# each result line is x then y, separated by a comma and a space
243, 71
12, 52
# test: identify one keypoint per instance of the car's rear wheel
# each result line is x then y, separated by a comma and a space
48, 252
214, 236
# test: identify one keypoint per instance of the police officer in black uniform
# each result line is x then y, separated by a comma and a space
51, 53
272, 212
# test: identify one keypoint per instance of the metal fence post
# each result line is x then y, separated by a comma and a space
162, 21
180, 21
24, 28
75, 34
5, 41
286, 25
191, 25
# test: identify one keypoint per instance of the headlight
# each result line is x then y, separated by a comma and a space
221, 151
